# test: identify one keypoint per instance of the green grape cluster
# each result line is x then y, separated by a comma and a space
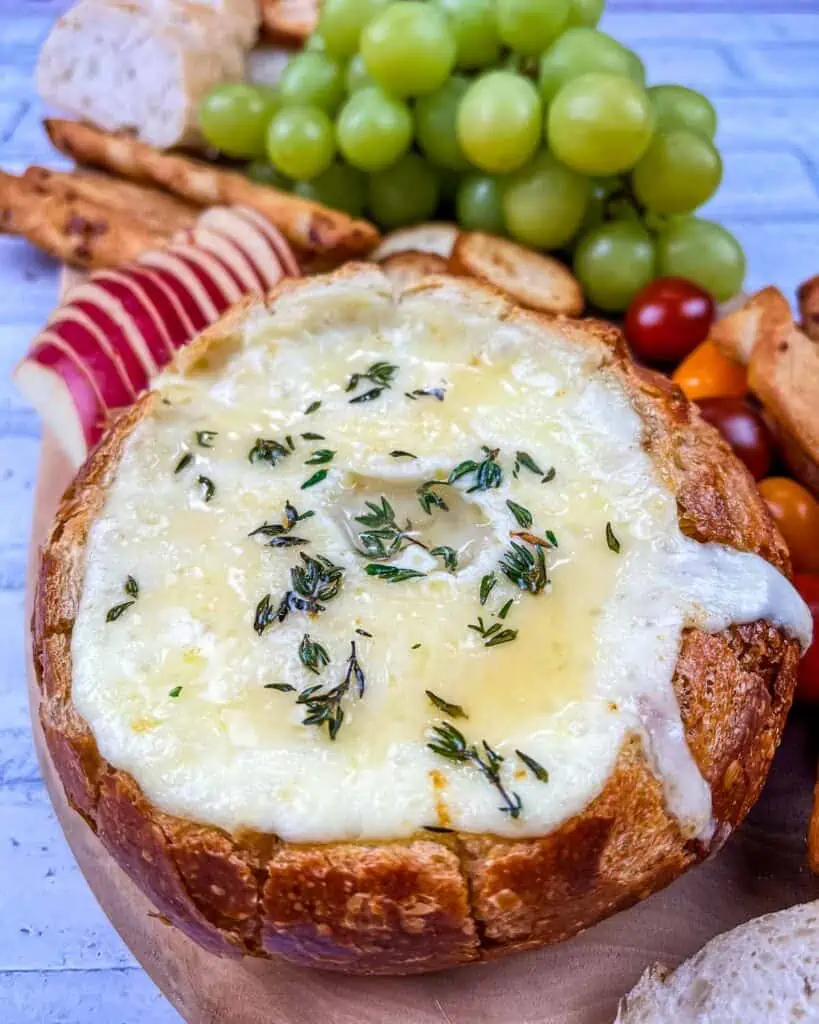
516, 117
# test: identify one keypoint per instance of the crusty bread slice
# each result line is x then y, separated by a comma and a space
536, 281
122, 68
151, 206
313, 228
764, 972
74, 230
783, 372
436, 237
240, 17
808, 295
406, 268
289, 21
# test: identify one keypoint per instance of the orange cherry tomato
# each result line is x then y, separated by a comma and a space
796, 513
808, 688
707, 373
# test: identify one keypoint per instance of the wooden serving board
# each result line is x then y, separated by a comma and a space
761, 869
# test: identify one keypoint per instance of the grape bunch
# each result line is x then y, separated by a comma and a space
515, 117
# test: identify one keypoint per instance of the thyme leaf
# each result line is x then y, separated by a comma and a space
312, 407
493, 635
428, 499
313, 655
534, 767
208, 488
399, 454
119, 609
504, 637
611, 539
449, 742
549, 475
310, 436
279, 533
185, 461
380, 374
177, 689
505, 610
488, 584
204, 438
525, 459
320, 457
392, 573
453, 710
131, 587
438, 393
522, 515
281, 687
316, 478
383, 537
324, 708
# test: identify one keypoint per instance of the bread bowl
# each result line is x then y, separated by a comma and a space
379, 854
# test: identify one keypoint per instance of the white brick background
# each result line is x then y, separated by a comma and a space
60, 961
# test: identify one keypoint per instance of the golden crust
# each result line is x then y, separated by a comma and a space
289, 21
434, 901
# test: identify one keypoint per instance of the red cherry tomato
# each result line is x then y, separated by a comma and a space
744, 429
808, 689
668, 319
796, 513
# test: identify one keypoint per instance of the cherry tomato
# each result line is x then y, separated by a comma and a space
744, 429
707, 373
796, 513
808, 689
668, 319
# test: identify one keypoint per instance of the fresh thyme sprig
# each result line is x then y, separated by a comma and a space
494, 635
525, 569
313, 583
429, 499
279, 534
453, 710
268, 450
383, 537
313, 655
488, 473
451, 743
380, 374
131, 588
324, 708
448, 555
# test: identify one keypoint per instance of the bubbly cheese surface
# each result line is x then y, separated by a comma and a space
210, 714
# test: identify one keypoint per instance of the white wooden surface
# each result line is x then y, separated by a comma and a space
60, 961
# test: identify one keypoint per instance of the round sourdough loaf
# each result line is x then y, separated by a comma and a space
180, 720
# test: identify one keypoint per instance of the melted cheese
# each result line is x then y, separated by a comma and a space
595, 651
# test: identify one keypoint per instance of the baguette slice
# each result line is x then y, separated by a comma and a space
783, 372
764, 972
289, 21
157, 209
73, 229
241, 18
535, 281
122, 68
313, 228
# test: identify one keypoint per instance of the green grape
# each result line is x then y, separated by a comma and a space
356, 76
678, 172
312, 80
342, 187
586, 12
475, 28
544, 203
529, 26
300, 142
435, 117
499, 121
315, 44
479, 204
678, 107
405, 193
264, 173
702, 252
637, 70
374, 129
582, 50
613, 262
600, 124
409, 49
234, 117
341, 23
601, 191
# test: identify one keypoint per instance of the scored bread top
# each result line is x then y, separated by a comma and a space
494, 551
